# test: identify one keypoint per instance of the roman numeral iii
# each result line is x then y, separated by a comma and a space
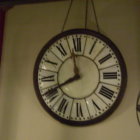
110, 75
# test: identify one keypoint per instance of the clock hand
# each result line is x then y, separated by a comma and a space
76, 70
72, 79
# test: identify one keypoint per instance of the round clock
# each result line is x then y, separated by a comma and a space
80, 77
138, 108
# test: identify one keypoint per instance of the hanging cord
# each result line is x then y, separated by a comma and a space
86, 14
66, 18
97, 24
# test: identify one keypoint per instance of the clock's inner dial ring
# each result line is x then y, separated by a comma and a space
88, 81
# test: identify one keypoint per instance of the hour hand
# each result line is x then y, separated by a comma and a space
76, 70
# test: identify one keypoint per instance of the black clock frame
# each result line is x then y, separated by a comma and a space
122, 67
137, 108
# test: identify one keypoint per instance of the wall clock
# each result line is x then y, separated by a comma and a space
80, 77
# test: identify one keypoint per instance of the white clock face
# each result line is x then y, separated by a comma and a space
101, 77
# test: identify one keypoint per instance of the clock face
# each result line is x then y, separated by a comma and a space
80, 77
138, 108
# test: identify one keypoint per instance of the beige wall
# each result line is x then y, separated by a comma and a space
28, 28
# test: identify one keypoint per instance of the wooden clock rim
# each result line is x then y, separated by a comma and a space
122, 67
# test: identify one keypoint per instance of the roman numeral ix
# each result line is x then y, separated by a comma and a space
106, 92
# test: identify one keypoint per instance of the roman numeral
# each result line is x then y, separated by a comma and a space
63, 106
96, 105
93, 46
77, 44
61, 49
51, 94
138, 108
79, 111
106, 92
105, 58
51, 62
110, 75
47, 78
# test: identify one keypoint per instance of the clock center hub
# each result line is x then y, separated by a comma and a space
89, 77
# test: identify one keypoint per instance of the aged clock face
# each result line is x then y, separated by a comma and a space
80, 77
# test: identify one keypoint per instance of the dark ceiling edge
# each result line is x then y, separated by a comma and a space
8, 3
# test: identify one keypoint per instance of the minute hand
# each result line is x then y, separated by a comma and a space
72, 79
